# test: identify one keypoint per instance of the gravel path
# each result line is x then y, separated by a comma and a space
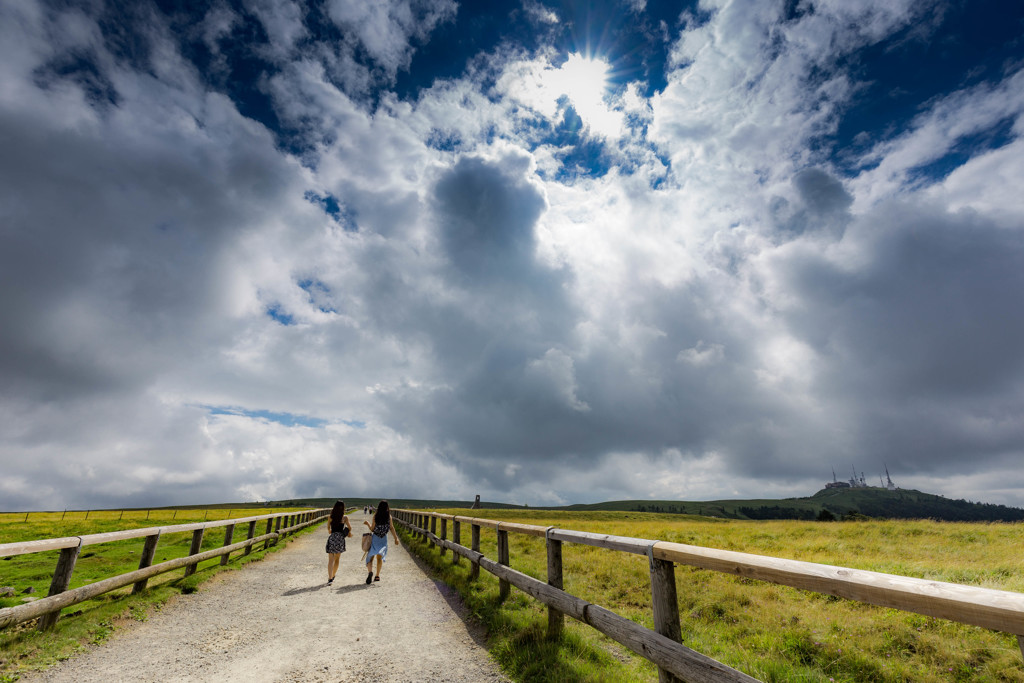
277, 620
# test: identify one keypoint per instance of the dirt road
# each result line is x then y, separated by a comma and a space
276, 620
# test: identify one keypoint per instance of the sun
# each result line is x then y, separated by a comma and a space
584, 80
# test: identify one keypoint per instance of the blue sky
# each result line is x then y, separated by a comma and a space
547, 252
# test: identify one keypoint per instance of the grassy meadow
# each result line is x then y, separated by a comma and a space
771, 632
22, 647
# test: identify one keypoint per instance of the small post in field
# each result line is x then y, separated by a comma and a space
252, 532
666, 606
504, 587
197, 544
229, 534
556, 620
61, 581
148, 553
456, 539
474, 533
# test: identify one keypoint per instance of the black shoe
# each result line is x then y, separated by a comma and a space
330, 581
369, 578
376, 578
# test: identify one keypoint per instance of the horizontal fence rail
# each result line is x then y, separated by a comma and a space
985, 607
278, 525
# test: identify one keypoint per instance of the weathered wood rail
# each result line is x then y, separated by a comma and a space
992, 609
278, 525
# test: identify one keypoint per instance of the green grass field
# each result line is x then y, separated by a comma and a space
23, 647
771, 632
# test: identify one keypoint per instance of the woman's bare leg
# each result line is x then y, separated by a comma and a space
333, 559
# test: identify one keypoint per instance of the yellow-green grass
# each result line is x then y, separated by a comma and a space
771, 632
24, 648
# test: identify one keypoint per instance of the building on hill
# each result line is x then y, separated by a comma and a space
888, 481
859, 482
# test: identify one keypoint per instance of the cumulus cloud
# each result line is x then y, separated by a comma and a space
385, 29
252, 270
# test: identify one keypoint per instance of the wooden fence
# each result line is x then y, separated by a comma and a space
985, 607
278, 526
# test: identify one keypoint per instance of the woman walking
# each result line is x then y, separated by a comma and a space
379, 539
339, 529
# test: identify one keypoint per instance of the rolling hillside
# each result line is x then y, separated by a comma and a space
869, 502
837, 503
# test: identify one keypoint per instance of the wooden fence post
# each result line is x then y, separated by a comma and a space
148, 553
252, 532
444, 535
666, 608
503, 586
197, 543
277, 528
433, 528
556, 620
229, 534
474, 533
266, 543
457, 539
60, 582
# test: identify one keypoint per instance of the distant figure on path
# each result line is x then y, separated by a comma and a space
339, 529
379, 540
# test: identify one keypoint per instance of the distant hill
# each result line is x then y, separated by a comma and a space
838, 503
393, 502
908, 503
843, 502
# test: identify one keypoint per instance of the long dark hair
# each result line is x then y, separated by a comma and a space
382, 515
338, 516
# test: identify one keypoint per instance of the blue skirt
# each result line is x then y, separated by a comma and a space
378, 546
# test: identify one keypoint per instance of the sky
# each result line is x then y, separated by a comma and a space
544, 252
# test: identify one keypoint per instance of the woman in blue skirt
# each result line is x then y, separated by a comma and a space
379, 539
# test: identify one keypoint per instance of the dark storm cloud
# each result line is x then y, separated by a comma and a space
487, 213
508, 387
924, 338
105, 240
822, 193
